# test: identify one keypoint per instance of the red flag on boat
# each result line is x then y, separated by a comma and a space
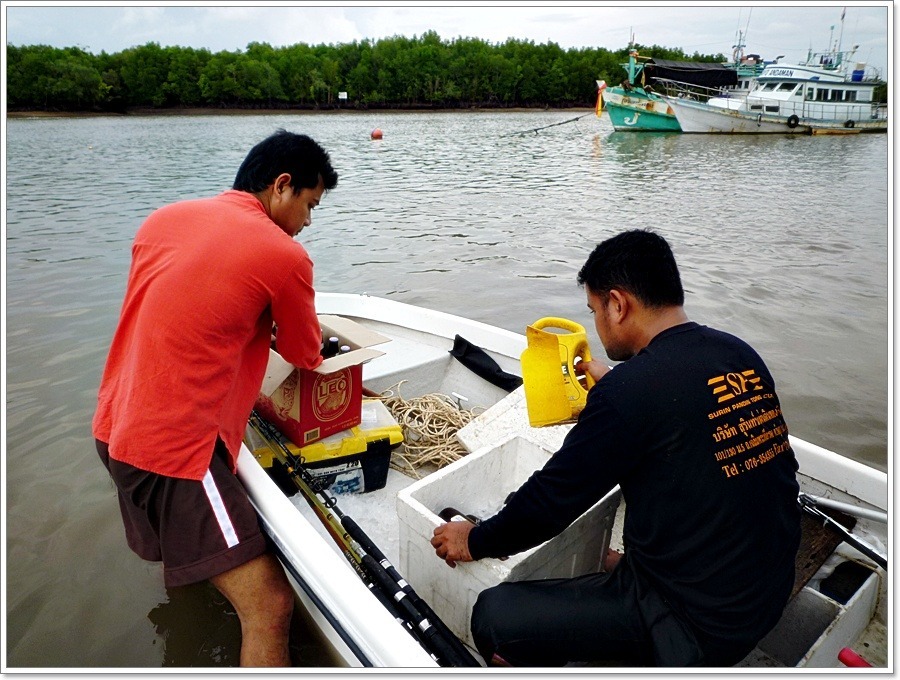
601, 85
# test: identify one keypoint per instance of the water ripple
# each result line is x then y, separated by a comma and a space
782, 240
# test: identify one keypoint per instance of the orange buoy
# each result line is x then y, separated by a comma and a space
376, 133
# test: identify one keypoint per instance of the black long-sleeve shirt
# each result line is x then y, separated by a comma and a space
691, 429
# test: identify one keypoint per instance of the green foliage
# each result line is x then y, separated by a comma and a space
397, 72
51, 78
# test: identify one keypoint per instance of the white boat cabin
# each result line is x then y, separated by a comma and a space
820, 89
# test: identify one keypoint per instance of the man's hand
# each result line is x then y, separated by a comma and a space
596, 368
613, 557
451, 542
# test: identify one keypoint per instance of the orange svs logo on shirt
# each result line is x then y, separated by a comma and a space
732, 385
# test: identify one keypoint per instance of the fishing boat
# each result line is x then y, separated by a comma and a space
828, 93
635, 106
840, 606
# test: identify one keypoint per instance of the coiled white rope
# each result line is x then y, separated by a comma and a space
429, 424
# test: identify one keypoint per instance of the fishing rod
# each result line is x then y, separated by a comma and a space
808, 504
322, 508
356, 557
367, 560
460, 650
323, 505
849, 509
348, 550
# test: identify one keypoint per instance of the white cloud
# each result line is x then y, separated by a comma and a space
313, 26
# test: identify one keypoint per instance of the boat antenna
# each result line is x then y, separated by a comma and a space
841, 36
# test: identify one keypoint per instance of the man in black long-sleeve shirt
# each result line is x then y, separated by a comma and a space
690, 427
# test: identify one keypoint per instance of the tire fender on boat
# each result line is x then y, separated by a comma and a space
793, 121
849, 124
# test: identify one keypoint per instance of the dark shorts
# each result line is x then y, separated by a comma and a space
197, 529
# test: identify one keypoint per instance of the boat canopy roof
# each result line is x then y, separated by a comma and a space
701, 73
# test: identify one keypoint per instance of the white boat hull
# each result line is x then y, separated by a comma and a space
696, 117
353, 622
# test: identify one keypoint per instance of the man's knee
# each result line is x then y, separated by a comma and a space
507, 629
259, 592
278, 604
489, 612
282, 600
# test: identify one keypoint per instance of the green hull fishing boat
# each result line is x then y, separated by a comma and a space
634, 106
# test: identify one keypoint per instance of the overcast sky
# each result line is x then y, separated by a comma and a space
771, 29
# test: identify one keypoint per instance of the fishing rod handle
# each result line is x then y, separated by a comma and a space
437, 644
809, 507
858, 544
849, 509
357, 533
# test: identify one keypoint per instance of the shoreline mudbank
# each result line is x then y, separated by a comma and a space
258, 112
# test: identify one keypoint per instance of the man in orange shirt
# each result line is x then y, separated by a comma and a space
209, 278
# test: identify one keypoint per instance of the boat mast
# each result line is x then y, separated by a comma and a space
738, 54
836, 46
632, 62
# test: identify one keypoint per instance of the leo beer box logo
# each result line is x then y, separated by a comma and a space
284, 407
331, 395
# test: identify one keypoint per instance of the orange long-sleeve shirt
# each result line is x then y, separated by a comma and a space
207, 279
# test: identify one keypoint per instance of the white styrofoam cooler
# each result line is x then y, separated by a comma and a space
478, 484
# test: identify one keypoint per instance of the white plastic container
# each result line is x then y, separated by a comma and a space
478, 484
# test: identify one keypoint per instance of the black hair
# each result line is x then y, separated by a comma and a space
639, 262
298, 155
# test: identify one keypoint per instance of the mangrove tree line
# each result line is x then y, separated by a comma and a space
398, 72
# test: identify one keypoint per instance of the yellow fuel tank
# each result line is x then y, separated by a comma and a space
553, 392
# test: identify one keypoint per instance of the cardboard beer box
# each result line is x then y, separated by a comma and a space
309, 405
